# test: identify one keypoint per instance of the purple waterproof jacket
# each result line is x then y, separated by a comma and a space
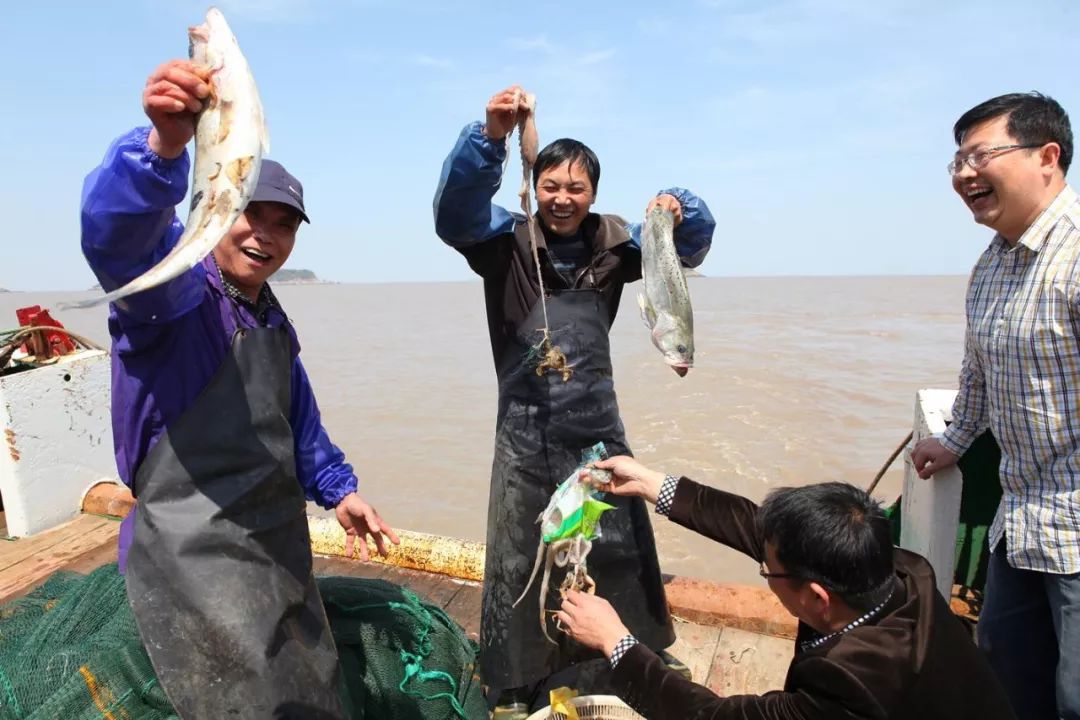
168, 342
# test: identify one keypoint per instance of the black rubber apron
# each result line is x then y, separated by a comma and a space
543, 425
219, 574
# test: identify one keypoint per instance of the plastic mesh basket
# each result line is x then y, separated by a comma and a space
594, 707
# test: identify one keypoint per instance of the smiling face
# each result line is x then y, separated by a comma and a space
1013, 187
257, 245
564, 195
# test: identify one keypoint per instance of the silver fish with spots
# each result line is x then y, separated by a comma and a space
665, 306
230, 141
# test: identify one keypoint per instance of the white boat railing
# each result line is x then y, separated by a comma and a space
930, 509
55, 440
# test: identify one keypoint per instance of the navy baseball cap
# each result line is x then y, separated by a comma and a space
277, 185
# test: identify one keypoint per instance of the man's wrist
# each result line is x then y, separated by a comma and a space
955, 442
489, 136
163, 151
665, 498
620, 647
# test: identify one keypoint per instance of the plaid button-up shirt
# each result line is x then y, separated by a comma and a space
1021, 378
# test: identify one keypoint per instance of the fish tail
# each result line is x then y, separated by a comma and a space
143, 282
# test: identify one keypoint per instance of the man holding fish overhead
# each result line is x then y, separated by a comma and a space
217, 431
546, 419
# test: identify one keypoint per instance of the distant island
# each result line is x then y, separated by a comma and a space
4, 290
281, 277
286, 276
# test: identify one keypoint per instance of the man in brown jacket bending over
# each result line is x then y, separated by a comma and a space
875, 639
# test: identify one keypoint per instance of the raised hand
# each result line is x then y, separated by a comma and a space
669, 203
173, 96
502, 112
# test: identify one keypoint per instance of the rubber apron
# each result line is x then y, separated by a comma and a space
543, 425
219, 574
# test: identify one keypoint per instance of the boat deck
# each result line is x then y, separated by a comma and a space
728, 660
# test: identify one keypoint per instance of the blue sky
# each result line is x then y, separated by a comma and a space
817, 130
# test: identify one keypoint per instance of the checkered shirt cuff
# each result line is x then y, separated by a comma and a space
667, 495
621, 648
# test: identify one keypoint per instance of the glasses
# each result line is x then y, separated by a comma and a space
763, 571
977, 160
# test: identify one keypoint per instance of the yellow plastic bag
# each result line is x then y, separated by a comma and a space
560, 702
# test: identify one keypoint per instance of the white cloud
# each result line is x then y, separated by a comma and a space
432, 62
596, 57
539, 43
286, 11
654, 26
786, 22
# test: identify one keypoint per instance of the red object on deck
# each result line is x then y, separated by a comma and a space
47, 343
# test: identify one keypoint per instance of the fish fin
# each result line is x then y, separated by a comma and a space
133, 287
83, 304
648, 315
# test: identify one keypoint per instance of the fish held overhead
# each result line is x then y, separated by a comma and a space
230, 142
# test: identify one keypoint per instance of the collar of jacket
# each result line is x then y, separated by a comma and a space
602, 232
261, 308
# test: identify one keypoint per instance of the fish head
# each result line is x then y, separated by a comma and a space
208, 43
661, 219
675, 340
198, 39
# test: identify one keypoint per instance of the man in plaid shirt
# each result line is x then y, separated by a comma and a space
1021, 379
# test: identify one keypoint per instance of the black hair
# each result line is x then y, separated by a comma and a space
833, 534
1033, 118
567, 150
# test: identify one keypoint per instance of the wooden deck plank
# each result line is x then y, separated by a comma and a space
465, 610
41, 556
695, 645
18, 550
431, 587
443, 591
324, 565
85, 563
748, 663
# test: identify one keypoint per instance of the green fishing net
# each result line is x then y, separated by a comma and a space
71, 650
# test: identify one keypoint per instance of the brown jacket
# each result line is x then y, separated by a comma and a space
510, 288
915, 662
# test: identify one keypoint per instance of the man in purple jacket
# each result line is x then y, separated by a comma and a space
217, 433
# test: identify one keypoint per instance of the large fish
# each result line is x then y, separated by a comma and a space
665, 306
230, 141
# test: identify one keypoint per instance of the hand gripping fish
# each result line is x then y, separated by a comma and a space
665, 306
230, 141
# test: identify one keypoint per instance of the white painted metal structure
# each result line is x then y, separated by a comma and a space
55, 440
930, 510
